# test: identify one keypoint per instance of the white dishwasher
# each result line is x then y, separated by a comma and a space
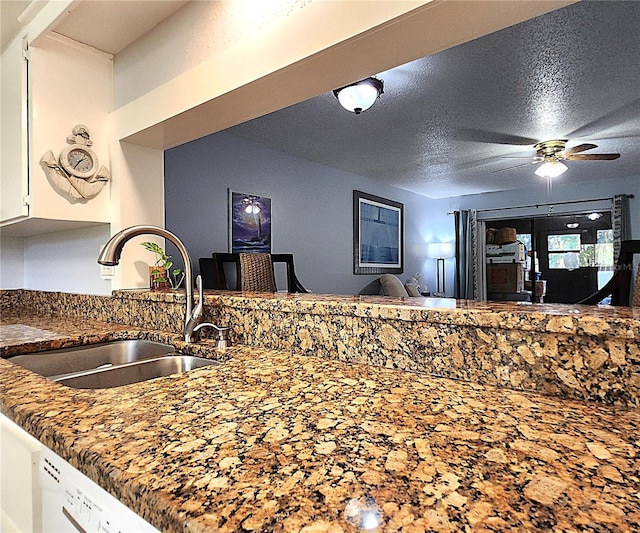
72, 502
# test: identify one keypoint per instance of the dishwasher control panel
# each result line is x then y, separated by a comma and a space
73, 502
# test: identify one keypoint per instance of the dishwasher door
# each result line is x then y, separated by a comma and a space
72, 502
19, 494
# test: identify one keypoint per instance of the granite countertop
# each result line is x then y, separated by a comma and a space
274, 441
551, 318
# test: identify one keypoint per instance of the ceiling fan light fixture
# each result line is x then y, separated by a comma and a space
551, 169
359, 96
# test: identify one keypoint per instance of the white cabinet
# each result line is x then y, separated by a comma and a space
13, 134
64, 83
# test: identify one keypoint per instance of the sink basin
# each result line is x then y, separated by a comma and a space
65, 361
134, 372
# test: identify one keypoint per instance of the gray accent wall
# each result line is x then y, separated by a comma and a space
311, 209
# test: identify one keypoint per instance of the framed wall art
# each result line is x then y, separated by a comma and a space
378, 235
249, 223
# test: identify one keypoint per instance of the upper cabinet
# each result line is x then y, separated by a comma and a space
14, 184
56, 100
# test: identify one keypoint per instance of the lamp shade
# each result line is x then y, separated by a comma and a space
551, 169
359, 96
440, 250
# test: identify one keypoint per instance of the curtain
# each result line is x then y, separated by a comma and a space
621, 223
470, 252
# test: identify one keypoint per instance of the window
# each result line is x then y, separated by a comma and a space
524, 238
564, 251
604, 248
567, 251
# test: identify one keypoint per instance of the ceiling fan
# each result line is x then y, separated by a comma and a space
552, 153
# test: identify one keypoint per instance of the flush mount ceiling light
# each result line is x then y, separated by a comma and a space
551, 168
359, 96
594, 216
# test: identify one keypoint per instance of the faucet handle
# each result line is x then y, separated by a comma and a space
223, 340
199, 287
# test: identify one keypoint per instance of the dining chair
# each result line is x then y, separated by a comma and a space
208, 273
257, 272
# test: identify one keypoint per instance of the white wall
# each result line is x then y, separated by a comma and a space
65, 261
70, 84
11, 263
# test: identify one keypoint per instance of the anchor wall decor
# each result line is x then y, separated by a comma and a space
76, 171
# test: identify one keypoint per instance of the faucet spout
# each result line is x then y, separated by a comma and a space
110, 256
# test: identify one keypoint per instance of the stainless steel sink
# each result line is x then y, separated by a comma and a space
59, 363
135, 372
112, 364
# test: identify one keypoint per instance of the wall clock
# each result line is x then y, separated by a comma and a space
79, 161
76, 172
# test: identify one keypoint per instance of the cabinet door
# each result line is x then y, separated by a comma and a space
14, 177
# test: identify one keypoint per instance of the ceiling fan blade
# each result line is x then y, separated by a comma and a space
461, 133
515, 166
535, 158
613, 119
624, 135
580, 148
593, 157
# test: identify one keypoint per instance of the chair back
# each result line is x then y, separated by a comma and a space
221, 282
208, 273
256, 273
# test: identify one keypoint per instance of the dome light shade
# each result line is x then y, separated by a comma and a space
359, 96
551, 169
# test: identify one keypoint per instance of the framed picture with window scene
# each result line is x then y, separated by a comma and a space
378, 235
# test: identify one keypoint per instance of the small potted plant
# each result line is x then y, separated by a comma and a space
160, 275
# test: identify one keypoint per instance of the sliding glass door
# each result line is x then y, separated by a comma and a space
573, 253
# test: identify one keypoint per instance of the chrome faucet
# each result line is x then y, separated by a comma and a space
110, 256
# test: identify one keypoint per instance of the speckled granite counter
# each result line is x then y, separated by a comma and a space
578, 352
278, 441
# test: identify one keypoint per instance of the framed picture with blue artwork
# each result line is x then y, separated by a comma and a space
249, 223
378, 235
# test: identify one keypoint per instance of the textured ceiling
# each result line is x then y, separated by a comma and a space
446, 123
